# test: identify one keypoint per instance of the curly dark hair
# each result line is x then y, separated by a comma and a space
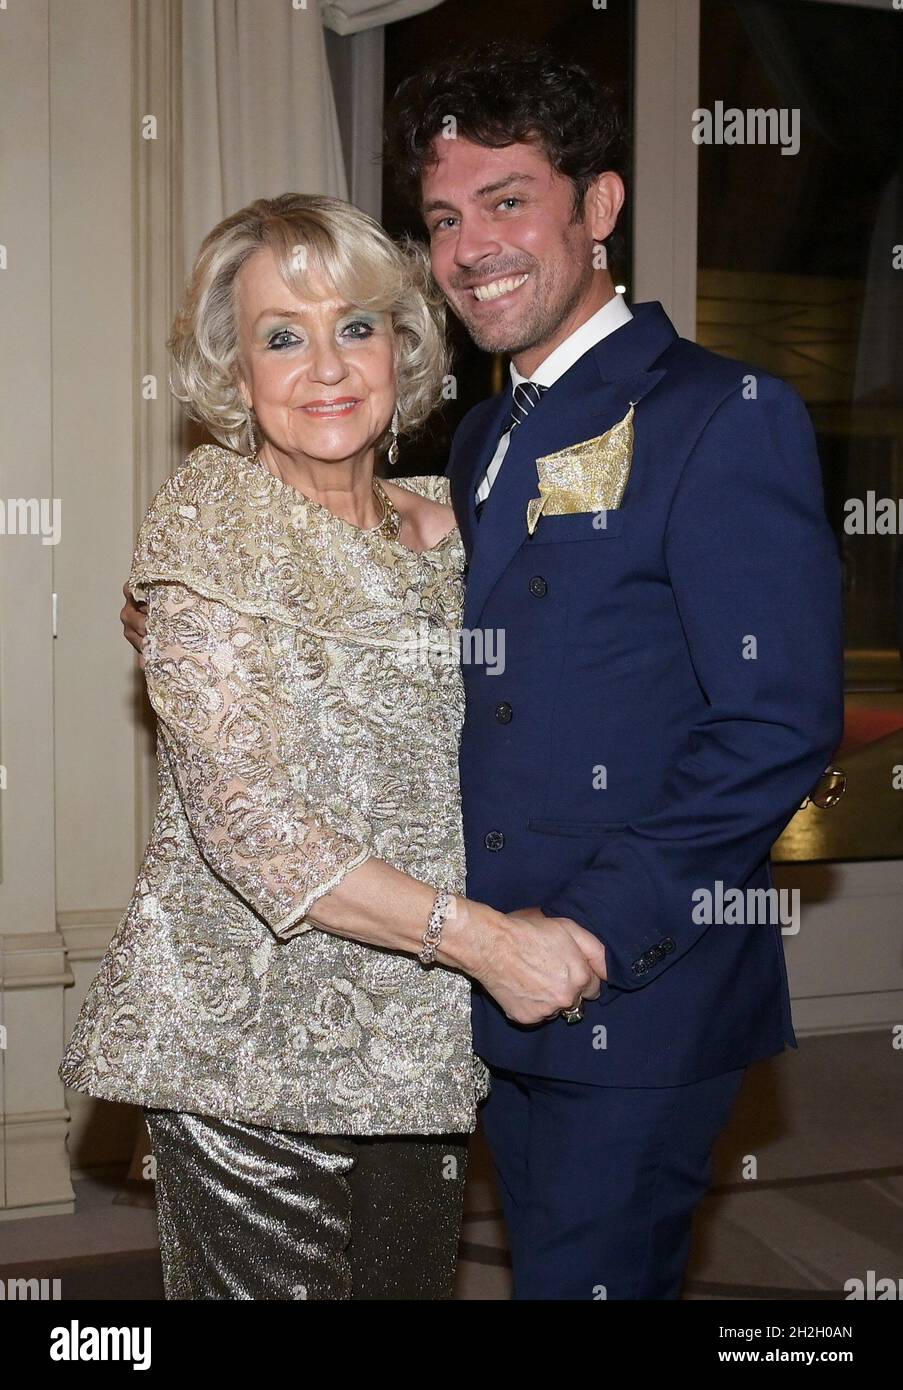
507, 93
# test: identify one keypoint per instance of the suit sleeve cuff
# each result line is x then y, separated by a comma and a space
631, 964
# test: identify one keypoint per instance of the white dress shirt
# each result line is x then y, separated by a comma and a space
612, 315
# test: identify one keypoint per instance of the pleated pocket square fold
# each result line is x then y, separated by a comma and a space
587, 477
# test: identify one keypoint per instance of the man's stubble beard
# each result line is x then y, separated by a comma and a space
543, 322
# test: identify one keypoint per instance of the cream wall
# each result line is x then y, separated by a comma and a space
68, 704
32, 964
93, 391
98, 692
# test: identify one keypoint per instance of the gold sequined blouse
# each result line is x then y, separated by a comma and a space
309, 703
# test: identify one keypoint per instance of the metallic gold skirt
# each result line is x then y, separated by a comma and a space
251, 1213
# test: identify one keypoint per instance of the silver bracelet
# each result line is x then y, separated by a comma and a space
432, 937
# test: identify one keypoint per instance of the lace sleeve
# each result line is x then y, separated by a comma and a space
210, 682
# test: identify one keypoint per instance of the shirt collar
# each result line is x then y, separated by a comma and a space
612, 315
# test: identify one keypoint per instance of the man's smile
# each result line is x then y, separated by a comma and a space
497, 289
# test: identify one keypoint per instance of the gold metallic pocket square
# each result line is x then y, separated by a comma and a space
587, 477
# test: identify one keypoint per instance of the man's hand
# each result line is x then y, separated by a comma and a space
535, 966
134, 623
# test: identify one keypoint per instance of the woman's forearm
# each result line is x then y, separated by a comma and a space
532, 966
378, 905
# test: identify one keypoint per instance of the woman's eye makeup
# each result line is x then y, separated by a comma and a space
282, 338
356, 329
361, 326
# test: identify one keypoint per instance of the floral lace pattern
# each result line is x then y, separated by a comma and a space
305, 679
211, 681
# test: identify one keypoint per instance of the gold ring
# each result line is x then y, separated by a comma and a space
574, 1014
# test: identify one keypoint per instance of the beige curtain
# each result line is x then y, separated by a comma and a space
258, 107
258, 113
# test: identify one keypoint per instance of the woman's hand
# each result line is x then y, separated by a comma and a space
534, 966
133, 617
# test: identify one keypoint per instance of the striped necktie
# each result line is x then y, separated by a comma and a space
525, 396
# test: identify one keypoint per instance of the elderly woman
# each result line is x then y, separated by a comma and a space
287, 994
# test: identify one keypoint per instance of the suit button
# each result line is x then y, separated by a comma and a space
638, 967
494, 840
666, 945
503, 713
538, 586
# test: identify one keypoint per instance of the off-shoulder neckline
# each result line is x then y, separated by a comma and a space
253, 462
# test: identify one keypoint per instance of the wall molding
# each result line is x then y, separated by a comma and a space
38, 1180
865, 1012
87, 934
34, 960
845, 964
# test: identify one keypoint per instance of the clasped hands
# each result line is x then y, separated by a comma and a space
542, 965
534, 966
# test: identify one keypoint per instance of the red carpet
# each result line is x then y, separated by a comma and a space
865, 726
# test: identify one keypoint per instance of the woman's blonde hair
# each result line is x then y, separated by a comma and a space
343, 248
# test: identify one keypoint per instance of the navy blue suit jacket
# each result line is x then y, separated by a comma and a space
638, 746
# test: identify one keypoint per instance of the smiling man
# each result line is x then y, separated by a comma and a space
644, 521
515, 263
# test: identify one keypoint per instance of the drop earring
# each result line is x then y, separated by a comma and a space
393, 447
252, 441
